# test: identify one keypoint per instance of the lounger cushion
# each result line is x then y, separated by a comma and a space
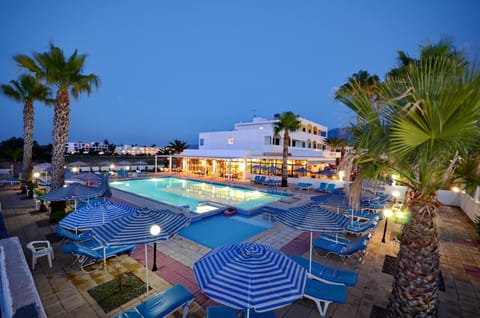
221, 312
328, 273
165, 302
324, 291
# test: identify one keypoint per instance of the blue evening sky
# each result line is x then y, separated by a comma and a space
172, 69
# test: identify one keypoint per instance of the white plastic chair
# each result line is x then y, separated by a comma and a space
39, 249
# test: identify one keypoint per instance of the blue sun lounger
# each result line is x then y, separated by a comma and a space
358, 228
90, 252
328, 273
162, 304
356, 247
69, 235
323, 294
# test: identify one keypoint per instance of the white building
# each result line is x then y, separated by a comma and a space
74, 147
241, 151
136, 150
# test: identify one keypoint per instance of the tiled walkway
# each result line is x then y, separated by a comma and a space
64, 290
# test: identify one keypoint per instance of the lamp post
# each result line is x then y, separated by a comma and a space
387, 213
154, 230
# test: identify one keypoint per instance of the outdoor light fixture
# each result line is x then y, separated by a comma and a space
455, 189
154, 230
394, 179
36, 175
387, 213
74, 169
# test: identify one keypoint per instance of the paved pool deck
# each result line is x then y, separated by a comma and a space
64, 290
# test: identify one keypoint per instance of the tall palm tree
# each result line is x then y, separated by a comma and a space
66, 74
287, 122
26, 91
429, 119
364, 82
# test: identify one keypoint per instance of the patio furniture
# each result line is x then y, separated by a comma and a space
220, 312
303, 186
69, 235
356, 248
39, 249
91, 252
359, 228
321, 187
361, 215
323, 294
163, 304
325, 273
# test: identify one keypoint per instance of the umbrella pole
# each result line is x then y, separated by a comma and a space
146, 267
310, 258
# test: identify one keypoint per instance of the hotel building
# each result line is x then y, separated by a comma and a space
253, 148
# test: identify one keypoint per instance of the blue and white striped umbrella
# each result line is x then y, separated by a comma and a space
95, 214
313, 218
250, 276
141, 227
135, 228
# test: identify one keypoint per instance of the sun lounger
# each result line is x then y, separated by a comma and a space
69, 235
254, 314
303, 186
330, 188
321, 187
341, 239
323, 294
356, 247
90, 252
359, 215
220, 312
358, 228
322, 272
163, 304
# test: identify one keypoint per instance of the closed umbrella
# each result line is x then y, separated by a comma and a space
95, 214
250, 276
327, 172
301, 170
257, 167
87, 177
141, 227
313, 219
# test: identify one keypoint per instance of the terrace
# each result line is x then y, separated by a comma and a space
63, 290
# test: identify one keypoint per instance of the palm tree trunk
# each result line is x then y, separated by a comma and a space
61, 122
415, 287
286, 141
27, 140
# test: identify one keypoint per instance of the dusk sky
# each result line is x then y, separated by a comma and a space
172, 69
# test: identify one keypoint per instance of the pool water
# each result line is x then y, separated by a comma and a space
180, 192
218, 230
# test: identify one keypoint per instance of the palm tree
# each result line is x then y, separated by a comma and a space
177, 147
337, 143
429, 120
67, 75
287, 122
364, 82
26, 91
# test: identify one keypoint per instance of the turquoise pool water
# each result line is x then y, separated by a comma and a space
180, 192
219, 230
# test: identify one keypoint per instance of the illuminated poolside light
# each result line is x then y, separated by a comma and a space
455, 189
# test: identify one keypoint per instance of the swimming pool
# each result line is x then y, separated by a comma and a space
219, 229
180, 192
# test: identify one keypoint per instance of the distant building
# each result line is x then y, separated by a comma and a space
249, 146
79, 147
136, 150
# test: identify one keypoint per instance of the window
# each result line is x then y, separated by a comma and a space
230, 140
267, 140
276, 141
202, 141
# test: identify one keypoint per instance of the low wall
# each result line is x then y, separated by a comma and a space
462, 200
19, 295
